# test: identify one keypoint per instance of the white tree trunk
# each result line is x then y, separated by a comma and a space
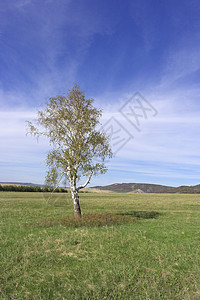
75, 199
74, 192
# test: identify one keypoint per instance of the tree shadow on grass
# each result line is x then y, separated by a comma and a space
142, 214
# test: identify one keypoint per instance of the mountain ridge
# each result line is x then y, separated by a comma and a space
149, 188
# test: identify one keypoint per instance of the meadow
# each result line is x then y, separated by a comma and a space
154, 256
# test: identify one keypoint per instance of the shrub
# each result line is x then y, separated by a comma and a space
26, 188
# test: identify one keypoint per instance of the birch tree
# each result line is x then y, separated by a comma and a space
70, 124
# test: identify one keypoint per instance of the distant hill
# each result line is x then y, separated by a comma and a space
184, 189
135, 187
148, 188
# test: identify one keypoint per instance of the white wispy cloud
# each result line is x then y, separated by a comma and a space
56, 38
168, 144
180, 63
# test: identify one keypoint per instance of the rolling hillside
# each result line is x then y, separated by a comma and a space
149, 188
135, 187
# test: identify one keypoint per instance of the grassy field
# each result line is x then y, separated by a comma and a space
156, 257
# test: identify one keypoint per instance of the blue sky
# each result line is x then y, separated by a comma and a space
112, 49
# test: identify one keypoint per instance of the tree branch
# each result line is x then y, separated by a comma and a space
86, 183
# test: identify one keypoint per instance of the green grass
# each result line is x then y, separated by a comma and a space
156, 257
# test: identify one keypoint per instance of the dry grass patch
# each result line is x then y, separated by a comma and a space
89, 220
